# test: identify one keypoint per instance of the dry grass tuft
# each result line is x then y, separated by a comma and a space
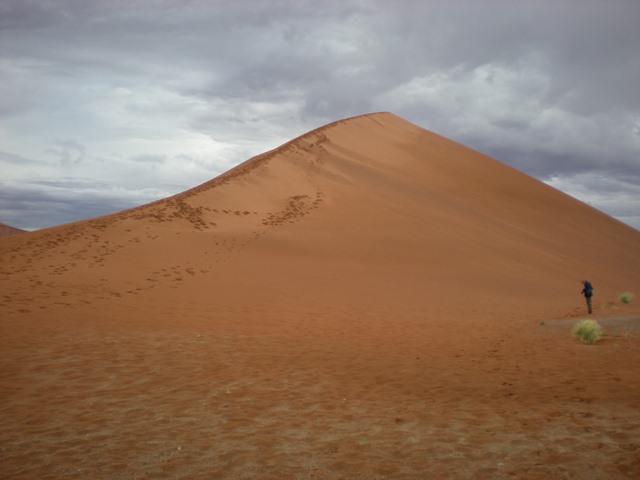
626, 297
589, 331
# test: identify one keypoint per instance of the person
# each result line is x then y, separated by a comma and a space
587, 291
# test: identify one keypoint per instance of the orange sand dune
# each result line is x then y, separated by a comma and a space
369, 300
7, 230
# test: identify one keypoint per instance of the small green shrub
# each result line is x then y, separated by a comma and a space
625, 297
589, 331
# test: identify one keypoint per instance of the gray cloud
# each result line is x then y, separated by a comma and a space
69, 151
30, 207
177, 92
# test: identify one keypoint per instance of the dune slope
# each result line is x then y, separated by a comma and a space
376, 205
7, 230
363, 301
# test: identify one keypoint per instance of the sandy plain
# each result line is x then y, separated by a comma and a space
368, 301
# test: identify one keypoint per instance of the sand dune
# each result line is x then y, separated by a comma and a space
369, 300
7, 230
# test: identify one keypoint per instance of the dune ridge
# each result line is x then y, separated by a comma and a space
369, 300
7, 230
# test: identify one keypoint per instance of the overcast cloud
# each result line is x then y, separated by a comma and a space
109, 104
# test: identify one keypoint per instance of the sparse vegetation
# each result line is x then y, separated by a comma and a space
626, 297
588, 331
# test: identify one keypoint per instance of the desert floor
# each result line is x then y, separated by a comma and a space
344, 394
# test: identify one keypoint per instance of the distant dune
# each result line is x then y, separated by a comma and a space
368, 300
6, 230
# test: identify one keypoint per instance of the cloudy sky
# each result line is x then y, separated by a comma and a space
109, 104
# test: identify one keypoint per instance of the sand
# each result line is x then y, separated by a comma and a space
369, 300
7, 230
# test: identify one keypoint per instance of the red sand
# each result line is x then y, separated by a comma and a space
367, 301
8, 230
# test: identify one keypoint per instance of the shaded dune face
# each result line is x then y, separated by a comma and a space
371, 208
8, 230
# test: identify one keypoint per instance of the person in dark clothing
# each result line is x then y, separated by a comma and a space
587, 291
